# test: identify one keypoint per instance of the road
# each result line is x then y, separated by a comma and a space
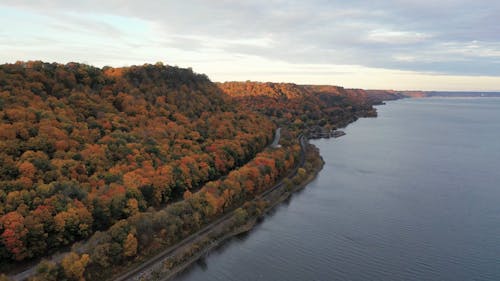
58, 257
276, 140
169, 251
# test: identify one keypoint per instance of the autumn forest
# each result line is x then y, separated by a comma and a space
116, 163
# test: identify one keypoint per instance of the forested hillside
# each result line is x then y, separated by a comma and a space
304, 107
82, 148
136, 159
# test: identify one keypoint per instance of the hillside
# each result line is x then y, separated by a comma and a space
305, 107
129, 161
82, 148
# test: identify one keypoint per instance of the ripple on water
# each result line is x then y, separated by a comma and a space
411, 195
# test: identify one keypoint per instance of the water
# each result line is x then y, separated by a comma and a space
411, 195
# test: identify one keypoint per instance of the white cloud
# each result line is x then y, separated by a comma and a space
226, 38
397, 37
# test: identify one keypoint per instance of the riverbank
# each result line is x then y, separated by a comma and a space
243, 220
391, 203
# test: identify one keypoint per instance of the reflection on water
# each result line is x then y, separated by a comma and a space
411, 195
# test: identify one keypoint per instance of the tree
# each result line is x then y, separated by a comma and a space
27, 169
240, 216
132, 207
47, 271
187, 195
74, 266
288, 184
130, 246
14, 234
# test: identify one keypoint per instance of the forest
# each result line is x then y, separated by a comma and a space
82, 148
303, 107
120, 162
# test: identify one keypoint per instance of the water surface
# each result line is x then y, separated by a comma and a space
411, 195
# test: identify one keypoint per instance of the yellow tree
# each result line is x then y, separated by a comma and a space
130, 246
74, 266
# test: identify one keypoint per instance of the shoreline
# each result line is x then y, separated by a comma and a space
168, 268
184, 254
252, 222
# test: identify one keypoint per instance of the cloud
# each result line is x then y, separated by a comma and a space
397, 37
449, 37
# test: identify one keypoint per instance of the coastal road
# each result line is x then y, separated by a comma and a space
302, 160
57, 257
135, 272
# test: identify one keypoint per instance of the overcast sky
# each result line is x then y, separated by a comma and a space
398, 44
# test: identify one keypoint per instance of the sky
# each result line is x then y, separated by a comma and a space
390, 44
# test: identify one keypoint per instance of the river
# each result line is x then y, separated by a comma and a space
411, 195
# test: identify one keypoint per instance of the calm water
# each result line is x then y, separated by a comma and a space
411, 195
